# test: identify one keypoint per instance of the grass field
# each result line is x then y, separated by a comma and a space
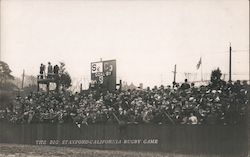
14, 150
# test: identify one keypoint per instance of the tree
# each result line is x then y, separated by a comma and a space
6, 85
6, 79
216, 77
5, 73
64, 77
65, 80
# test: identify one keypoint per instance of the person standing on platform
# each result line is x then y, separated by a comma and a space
56, 76
50, 70
56, 69
42, 68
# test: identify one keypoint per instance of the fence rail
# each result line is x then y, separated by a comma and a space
203, 139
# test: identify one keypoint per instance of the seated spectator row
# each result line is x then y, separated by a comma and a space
226, 104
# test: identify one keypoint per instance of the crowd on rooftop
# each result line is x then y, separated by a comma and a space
224, 104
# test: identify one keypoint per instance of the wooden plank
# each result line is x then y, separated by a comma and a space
193, 139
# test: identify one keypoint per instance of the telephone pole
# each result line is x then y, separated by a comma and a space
0, 35
23, 79
230, 63
201, 71
174, 82
81, 88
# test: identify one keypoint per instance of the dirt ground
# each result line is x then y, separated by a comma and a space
14, 150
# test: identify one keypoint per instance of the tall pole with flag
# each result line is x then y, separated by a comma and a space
230, 63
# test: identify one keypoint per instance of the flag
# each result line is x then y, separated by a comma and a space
198, 64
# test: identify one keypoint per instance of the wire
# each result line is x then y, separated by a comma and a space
224, 52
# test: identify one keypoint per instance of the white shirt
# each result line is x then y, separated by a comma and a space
193, 119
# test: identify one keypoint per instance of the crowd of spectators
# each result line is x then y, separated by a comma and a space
224, 104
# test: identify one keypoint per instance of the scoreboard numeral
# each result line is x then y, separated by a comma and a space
101, 79
93, 67
108, 67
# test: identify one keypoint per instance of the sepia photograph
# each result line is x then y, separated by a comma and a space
124, 78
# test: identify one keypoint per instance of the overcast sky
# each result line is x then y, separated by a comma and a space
145, 37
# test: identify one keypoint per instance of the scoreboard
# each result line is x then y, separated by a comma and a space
103, 73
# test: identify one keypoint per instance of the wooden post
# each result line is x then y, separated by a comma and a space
230, 63
38, 86
120, 88
23, 79
80, 87
174, 82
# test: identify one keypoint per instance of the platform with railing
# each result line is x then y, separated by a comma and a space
47, 79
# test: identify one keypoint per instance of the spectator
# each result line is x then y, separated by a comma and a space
42, 68
50, 70
185, 85
199, 105
193, 119
56, 69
